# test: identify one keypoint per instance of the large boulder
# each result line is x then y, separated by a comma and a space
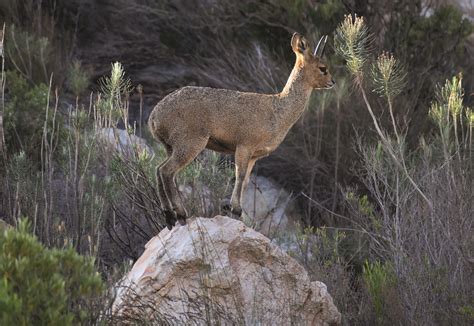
220, 271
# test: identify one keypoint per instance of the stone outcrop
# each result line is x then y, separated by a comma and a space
220, 271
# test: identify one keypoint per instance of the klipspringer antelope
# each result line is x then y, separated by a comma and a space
248, 125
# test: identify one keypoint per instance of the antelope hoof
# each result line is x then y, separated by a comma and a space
182, 219
170, 218
225, 206
236, 213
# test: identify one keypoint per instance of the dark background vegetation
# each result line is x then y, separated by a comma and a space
328, 160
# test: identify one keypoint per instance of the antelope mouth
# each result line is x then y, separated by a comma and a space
331, 84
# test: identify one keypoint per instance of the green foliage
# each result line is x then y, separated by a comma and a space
28, 55
294, 9
78, 78
319, 247
351, 42
446, 22
451, 96
25, 113
328, 244
210, 170
468, 311
22, 173
133, 178
470, 117
115, 84
388, 76
380, 280
19, 167
328, 15
449, 113
43, 286
113, 88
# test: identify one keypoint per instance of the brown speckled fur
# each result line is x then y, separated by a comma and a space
248, 125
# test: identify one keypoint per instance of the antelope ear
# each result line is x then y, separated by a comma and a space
299, 44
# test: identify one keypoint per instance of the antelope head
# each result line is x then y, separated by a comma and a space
316, 73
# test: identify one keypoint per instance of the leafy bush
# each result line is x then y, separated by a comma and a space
77, 79
25, 114
41, 286
28, 54
380, 281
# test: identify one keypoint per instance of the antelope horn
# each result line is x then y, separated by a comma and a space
323, 39
324, 45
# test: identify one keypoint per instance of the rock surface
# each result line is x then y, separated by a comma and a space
122, 142
220, 271
268, 207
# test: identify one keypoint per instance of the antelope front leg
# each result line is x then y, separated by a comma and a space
247, 176
242, 158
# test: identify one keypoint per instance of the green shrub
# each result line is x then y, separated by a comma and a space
40, 286
25, 113
380, 281
29, 54
78, 78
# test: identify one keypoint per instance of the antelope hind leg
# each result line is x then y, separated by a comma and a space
170, 215
180, 158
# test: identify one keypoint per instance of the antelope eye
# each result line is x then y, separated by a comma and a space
324, 70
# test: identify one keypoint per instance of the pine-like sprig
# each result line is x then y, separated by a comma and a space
388, 75
450, 101
116, 83
352, 42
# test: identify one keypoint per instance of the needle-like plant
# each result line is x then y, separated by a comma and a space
114, 88
116, 83
352, 42
78, 79
470, 121
452, 94
447, 113
389, 78
388, 75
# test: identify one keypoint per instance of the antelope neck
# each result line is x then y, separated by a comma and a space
294, 97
